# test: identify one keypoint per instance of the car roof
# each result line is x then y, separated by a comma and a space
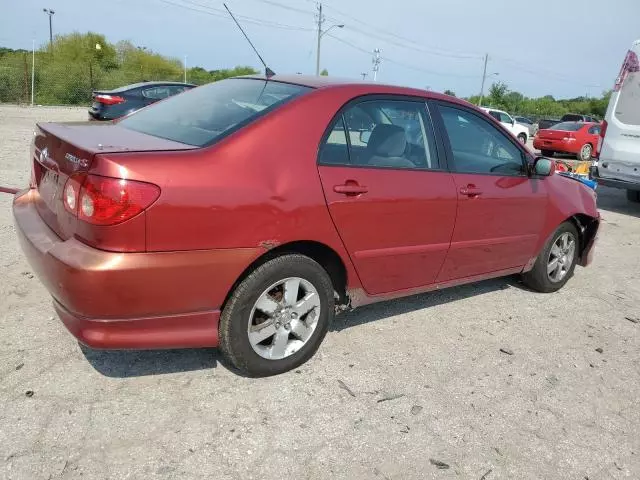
362, 87
487, 109
149, 84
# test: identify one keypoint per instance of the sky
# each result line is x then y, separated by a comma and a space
546, 47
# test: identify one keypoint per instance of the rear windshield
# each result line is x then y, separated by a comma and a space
202, 115
568, 126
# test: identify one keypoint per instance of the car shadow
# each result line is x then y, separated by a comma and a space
140, 363
390, 308
615, 200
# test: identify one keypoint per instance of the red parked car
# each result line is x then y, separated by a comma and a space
578, 138
245, 213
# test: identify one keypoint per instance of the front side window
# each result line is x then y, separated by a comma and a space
202, 115
382, 133
504, 118
479, 147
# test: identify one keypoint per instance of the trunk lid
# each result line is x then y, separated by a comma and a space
61, 150
550, 134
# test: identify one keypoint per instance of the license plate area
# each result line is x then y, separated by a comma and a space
48, 188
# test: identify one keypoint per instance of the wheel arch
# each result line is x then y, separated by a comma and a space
587, 227
324, 255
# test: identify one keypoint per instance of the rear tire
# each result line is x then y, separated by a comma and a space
556, 262
546, 153
522, 138
585, 152
633, 196
259, 306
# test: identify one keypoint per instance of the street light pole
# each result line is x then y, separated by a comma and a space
51, 13
320, 35
484, 77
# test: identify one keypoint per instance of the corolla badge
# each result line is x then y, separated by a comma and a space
80, 162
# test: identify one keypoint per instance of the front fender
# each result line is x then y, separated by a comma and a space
570, 200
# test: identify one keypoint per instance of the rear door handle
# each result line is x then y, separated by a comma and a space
470, 191
351, 189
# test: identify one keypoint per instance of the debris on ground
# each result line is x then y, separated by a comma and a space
439, 464
346, 388
599, 350
29, 393
633, 320
416, 409
486, 474
386, 398
19, 366
507, 351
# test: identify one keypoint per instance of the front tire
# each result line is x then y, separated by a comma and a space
277, 316
557, 261
547, 153
633, 196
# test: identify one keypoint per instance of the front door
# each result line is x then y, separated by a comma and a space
501, 210
393, 204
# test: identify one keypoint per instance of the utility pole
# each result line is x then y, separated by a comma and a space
376, 63
364, 75
484, 77
185, 69
33, 68
51, 13
320, 21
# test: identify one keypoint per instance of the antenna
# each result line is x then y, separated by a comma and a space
267, 71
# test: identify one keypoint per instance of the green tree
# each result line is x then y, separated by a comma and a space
324, 72
451, 93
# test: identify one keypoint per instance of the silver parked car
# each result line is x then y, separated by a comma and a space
533, 127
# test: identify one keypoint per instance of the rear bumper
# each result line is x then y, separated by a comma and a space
594, 174
556, 145
130, 300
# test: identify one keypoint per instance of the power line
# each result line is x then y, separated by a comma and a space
406, 65
211, 11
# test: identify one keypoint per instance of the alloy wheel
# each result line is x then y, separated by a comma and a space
284, 318
561, 257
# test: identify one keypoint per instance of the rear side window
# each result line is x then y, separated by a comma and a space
381, 133
595, 130
157, 93
479, 147
568, 126
628, 84
202, 115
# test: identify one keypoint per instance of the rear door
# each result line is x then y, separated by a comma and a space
389, 195
501, 210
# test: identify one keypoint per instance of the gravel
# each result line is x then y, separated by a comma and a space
555, 409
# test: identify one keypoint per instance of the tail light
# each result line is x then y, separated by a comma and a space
603, 132
107, 201
569, 138
108, 99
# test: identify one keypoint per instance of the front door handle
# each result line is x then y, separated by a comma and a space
470, 191
350, 188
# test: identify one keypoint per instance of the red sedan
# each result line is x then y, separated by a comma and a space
577, 138
244, 214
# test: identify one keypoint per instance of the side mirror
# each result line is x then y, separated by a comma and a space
544, 167
365, 136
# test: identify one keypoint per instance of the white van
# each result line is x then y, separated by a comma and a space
618, 152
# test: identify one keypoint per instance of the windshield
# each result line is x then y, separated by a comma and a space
568, 126
202, 115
